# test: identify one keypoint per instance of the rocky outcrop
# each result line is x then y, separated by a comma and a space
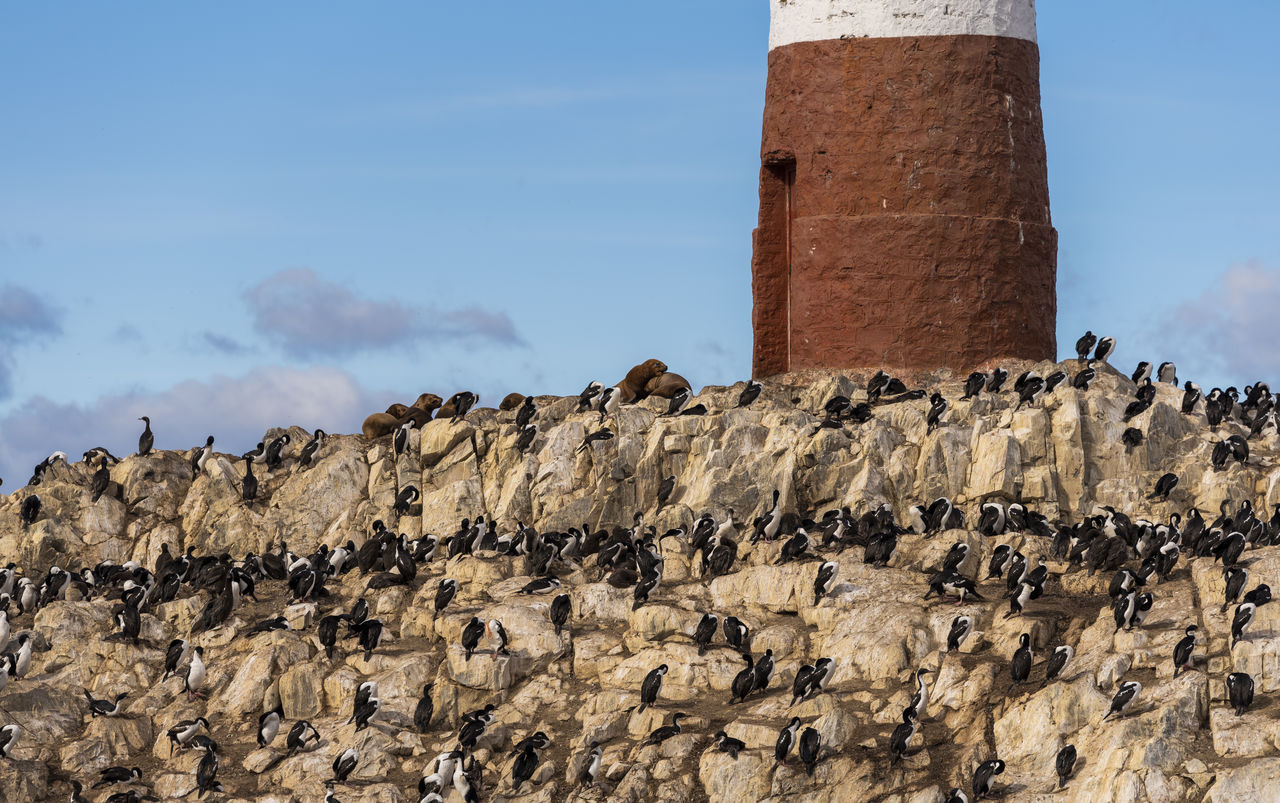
1061, 456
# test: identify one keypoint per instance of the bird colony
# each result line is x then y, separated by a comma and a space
1039, 582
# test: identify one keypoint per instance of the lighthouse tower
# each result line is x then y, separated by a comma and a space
904, 200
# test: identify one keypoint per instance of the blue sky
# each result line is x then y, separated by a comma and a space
250, 215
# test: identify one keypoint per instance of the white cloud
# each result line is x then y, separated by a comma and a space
235, 410
1229, 325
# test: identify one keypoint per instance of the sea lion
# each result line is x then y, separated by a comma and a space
632, 388
397, 410
429, 402
666, 385
511, 401
379, 424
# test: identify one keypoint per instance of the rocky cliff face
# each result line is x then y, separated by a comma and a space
1062, 457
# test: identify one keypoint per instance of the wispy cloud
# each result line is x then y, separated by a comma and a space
221, 344
235, 410
1230, 323
310, 317
127, 333
24, 317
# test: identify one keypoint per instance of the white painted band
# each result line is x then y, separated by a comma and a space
817, 20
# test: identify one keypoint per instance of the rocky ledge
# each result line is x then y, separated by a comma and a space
162, 555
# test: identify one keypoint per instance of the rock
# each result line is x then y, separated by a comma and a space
1061, 457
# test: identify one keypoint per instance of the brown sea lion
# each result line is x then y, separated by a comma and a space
511, 401
429, 402
666, 385
397, 410
379, 424
633, 386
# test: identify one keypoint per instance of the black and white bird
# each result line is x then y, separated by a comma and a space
810, 746
937, 408
727, 744
405, 499
1183, 657
471, 635
590, 392
744, 682
194, 679
1020, 664
182, 733
786, 740
900, 739
750, 393
275, 451
560, 611
1167, 372
445, 592
1065, 764
540, 585
344, 764
591, 767
602, 434
9, 739
1058, 661
369, 632
1164, 486
1106, 346
651, 686
609, 401
1240, 691
114, 775
766, 526
961, 627
200, 457
825, 580
678, 400
986, 771
660, 735
302, 737
207, 772
462, 402
736, 633
1241, 620
1142, 373
974, 385
920, 699
1235, 577
705, 632
105, 708
1085, 344
309, 450
1123, 699
269, 725
764, 671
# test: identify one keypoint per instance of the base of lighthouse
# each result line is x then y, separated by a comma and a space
904, 206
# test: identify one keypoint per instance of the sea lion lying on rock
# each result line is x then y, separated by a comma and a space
666, 385
380, 424
511, 401
633, 386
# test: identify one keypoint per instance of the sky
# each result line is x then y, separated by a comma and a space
237, 216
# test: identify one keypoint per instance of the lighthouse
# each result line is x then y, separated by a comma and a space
904, 196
